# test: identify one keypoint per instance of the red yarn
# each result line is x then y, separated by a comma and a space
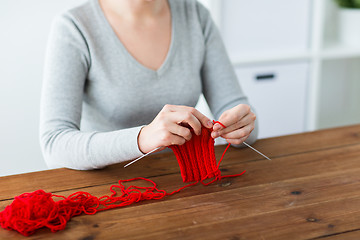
197, 160
196, 157
31, 211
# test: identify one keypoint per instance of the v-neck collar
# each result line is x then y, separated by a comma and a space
131, 58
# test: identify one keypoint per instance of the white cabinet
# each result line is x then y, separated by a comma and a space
339, 97
264, 26
278, 94
274, 29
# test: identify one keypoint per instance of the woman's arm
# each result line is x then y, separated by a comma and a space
63, 144
221, 87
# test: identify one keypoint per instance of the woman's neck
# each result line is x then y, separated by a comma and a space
135, 10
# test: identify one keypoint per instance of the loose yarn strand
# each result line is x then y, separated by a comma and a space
31, 211
222, 156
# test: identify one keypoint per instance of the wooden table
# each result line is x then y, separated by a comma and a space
310, 189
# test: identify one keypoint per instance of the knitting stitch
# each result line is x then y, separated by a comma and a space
196, 157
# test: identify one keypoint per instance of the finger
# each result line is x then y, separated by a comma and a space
239, 133
205, 121
169, 138
237, 141
217, 127
232, 127
248, 119
177, 140
217, 133
186, 118
231, 116
181, 131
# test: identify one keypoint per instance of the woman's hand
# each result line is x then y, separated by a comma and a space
239, 122
172, 127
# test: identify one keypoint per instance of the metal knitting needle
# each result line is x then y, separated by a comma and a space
256, 150
160, 147
142, 157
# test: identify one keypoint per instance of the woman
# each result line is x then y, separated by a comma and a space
122, 78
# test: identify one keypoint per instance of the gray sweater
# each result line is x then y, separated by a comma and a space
96, 96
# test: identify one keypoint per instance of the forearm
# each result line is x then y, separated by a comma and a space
72, 148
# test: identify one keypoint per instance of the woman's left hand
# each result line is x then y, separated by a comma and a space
239, 122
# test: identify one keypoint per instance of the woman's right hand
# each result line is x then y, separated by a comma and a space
171, 127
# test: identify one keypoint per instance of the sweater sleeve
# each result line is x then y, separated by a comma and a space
62, 142
221, 88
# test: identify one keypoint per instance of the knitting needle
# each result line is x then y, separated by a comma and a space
142, 157
256, 150
160, 147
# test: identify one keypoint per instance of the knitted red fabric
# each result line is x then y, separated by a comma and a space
31, 211
196, 157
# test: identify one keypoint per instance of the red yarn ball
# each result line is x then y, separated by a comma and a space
31, 211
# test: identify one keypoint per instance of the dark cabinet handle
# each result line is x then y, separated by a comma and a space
262, 77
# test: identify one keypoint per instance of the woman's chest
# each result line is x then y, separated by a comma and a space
149, 45
128, 98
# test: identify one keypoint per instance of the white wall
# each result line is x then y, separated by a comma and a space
24, 27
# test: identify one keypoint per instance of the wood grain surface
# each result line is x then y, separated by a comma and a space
310, 190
